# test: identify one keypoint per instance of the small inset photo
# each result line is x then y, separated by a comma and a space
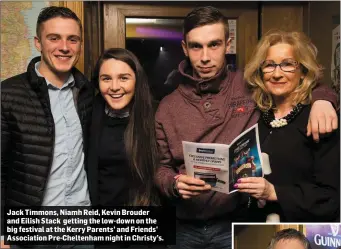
287, 236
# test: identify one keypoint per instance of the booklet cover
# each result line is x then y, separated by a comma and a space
221, 165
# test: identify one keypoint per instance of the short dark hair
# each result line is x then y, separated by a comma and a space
202, 16
289, 234
53, 12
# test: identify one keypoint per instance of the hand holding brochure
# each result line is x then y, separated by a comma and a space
221, 165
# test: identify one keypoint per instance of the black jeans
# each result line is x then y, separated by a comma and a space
213, 234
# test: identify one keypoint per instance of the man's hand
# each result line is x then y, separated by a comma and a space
257, 187
322, 119
188, 186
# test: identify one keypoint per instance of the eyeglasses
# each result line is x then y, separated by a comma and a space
288, 66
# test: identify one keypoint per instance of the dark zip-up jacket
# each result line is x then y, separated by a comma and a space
28, 133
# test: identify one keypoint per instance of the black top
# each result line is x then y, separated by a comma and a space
106, 159
306, 175
112, 163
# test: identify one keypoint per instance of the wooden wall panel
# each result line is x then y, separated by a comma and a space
325, 16
93, 35
78, 8
286, 226
254, 236
285, 16
298, 227
247, 37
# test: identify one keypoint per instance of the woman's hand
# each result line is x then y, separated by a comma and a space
257, 187
189, 187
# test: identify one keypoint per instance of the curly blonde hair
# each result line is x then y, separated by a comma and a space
305, 53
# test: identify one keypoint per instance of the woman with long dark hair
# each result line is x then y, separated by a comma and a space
122, 153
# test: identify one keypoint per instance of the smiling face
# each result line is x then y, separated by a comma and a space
117, 83
206, 48
279, 83
60, 46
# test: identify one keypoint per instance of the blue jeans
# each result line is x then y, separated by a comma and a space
206, 235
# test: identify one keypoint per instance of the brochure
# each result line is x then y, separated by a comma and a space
221, 165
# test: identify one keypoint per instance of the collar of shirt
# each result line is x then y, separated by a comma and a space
114, 114
70, 82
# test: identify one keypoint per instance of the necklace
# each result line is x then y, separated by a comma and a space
270, 120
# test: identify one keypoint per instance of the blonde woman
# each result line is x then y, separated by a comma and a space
305, 179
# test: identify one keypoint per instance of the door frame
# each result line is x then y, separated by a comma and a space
78, 9
246, 14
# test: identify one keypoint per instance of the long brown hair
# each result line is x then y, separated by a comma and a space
140, 140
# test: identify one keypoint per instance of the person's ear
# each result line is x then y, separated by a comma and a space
228, 45
184, 47
37, 43
302, 78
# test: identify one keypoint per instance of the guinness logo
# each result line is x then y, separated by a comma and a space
335, 229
